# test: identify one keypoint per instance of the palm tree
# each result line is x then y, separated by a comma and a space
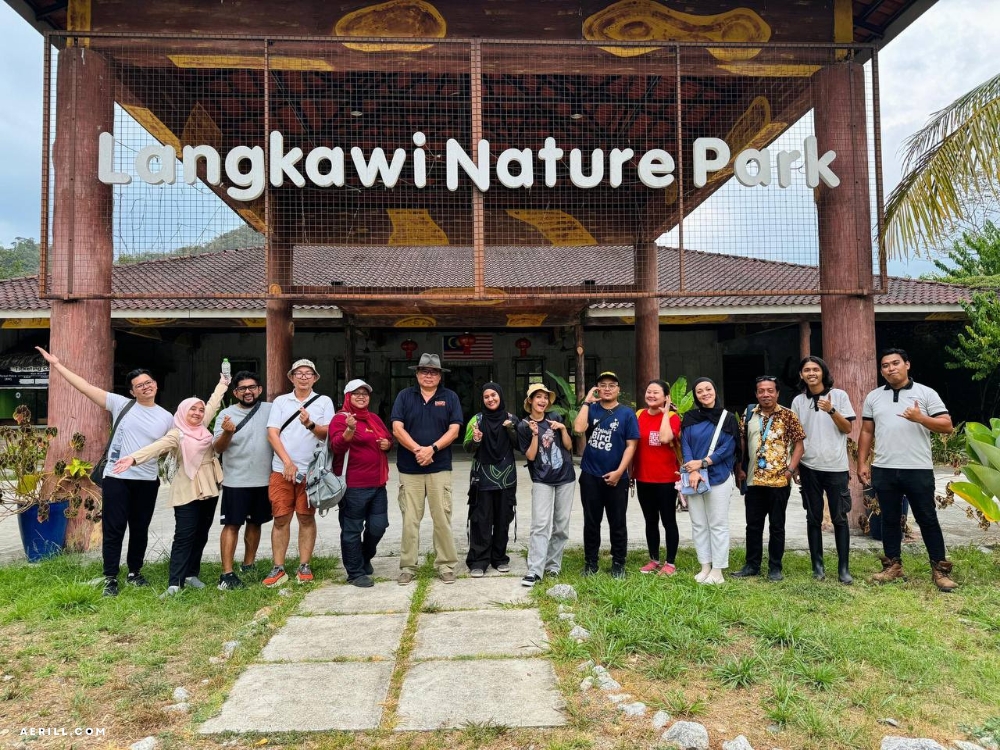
951, 166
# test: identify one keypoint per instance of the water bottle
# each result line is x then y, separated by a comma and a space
227, 369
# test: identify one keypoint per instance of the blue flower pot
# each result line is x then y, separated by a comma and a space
43, 539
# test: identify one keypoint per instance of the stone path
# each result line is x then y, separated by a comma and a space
458, 660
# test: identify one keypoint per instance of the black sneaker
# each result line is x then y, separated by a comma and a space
774, 574
229, 582
617, 570
137, 580
589, 570
251, 568
110, 586
746, 572
362, 582
530, 580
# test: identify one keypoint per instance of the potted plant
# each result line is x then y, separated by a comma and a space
982, 472
42, 501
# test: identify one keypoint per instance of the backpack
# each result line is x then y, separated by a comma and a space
324, 489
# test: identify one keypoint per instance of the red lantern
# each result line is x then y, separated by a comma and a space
409, 346
523, 345
466, 340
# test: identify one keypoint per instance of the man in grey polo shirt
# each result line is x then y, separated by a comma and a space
241, 438
900, 417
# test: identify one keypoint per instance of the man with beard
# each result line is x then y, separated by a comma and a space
241, 438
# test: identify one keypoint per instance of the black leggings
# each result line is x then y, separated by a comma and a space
659, 504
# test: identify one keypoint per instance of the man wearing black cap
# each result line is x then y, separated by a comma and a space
612, 435
426, 420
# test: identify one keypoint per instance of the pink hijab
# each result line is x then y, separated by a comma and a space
194, 440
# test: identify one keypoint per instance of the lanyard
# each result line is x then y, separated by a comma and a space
761, 461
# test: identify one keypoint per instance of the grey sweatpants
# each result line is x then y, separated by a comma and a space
550, 510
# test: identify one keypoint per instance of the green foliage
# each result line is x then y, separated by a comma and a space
680, 396
23, 449
978, 347
566, 404
983, 472
975, 257
20, 259
236, 239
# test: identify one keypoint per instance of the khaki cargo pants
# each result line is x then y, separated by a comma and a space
436, 488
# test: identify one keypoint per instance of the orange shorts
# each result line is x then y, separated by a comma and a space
287, 497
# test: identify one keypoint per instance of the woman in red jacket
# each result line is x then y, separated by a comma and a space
655, 471
358, 436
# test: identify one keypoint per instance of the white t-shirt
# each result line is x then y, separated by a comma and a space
299, 442
247, 460
900, 443
825, 445
140, 427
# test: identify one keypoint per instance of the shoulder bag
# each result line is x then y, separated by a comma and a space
97, 473
704, 485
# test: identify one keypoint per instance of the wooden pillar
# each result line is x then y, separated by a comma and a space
280, 330
647, 319
81, 257
845, 239
581, 378
350, 336
805, 339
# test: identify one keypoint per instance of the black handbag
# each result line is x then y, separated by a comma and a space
97, 473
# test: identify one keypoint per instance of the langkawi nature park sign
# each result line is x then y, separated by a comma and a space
247, 172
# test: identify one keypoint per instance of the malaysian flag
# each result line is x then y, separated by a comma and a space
466, 347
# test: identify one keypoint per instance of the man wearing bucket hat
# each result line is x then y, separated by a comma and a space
548, 446
296, 428
426, 419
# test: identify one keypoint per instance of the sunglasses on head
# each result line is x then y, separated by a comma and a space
765, 378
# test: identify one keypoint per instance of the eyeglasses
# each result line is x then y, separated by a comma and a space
427, 371
764, 378
361, 394
303, 374
245, 388
146, 385
607, 386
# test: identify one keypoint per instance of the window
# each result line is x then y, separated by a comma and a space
590, 373
360, 371
527, 370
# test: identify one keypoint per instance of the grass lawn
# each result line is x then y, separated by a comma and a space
795, 665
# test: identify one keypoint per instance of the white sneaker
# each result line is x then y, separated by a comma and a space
194, 582
171, 591
705, 571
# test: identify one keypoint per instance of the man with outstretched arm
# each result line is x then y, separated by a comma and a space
900, 418
129, 498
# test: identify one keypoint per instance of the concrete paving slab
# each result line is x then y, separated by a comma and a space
338, 599
508, 692
476, 593
502, 632
304, 697
324, 637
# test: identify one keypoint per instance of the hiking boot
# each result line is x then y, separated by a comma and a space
746, 571
651, 567
194, 582
362, 582
304, 573
668, 569
530, 580
110, 586
405, 578
447, 576
589, 570
618, 570
276, 577
229, 582
137, 580
941, 575
477, 573
891, 570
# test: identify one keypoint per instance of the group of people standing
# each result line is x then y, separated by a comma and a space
694, 460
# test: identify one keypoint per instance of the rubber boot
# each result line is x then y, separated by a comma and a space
941, 575
815, 536
892, 570
842, 538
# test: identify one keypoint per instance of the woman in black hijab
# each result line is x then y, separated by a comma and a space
705, 424
491, 438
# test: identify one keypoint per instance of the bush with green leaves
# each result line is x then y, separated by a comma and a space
981, 491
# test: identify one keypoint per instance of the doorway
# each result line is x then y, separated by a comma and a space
467, 381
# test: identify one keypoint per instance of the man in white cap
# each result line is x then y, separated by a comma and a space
426, 420
296, 428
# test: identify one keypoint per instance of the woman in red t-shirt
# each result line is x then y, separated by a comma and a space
655, 470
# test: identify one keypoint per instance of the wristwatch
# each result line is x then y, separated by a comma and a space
311, 426
434, 447
833, 410
704, 463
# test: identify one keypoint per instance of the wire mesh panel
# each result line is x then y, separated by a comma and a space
462, 170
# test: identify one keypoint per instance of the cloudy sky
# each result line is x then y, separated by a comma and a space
949, 49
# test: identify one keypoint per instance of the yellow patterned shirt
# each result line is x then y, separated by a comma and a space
784, 432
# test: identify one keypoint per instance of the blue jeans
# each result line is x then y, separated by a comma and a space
364, 518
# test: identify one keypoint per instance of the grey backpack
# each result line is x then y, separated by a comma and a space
324, 489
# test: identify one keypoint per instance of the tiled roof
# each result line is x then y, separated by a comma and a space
242, 272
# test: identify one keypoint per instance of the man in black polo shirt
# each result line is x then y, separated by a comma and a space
426, 419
